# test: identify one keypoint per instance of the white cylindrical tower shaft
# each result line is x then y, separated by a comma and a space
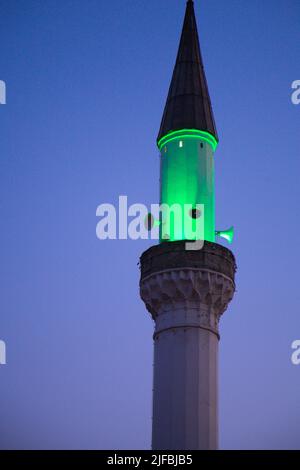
185, 386
186, 293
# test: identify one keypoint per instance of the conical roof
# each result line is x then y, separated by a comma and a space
188, 104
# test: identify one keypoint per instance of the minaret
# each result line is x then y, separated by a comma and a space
187, 290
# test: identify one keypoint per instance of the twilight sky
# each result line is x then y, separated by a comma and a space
86, 86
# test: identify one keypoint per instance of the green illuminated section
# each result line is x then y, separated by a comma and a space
187, 177
189, 134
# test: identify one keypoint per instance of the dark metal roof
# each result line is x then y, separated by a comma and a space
188, 104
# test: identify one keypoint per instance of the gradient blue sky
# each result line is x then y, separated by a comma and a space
86, 86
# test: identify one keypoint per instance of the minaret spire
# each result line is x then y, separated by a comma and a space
188, 104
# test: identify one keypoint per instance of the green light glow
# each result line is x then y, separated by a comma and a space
188, 134
227, 234
187, 177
